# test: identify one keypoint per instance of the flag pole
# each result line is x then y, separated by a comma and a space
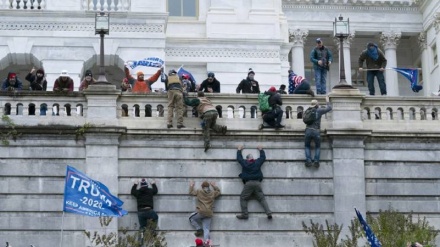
387, 68
62, 228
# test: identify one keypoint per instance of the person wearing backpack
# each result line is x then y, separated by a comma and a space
312, 119
274, 115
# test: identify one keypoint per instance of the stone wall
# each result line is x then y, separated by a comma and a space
366, 162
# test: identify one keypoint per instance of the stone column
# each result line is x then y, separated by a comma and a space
437, 43
427, 87
347, 56
297, 38
390, 40
285, 65
101, 104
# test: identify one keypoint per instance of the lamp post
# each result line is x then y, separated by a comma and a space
102, 27
341, 30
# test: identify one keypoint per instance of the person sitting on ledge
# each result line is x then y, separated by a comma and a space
299, 85
12, 83
274, 116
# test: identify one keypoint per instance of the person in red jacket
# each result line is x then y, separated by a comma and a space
63, 83
139, 85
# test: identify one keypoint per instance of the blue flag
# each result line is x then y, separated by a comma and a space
83, 195
372, 239
412, 75
181, 71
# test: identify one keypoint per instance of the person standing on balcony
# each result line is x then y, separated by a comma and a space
210, 84
208, 113
321, 57
37, 80
204, 206
63, 83
249, 85
12, 83
139, 85
312, 132
376, 64
174, 88
88, 80
251, 176
145, 204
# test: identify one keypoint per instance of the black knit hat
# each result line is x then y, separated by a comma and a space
88, 73
251, 71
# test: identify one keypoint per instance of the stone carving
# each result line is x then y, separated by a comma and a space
239, 53
436, 22
390, 39
149, 28
422, 40
298, 36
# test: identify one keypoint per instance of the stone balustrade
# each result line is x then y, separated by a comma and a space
23, 4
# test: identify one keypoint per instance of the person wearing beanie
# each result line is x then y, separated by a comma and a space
139, 85
321, 57
204, 208
199, 242
145, 204
88, 80
210, 84
12, 83
299, 85
209, 114
63, 83
282, 89
312, 132
376, 64
249, 85
174, 88
37, 80
252, 176
274, 116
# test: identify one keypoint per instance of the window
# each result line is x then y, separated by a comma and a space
185, 8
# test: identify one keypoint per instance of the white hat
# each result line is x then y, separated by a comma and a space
64, 73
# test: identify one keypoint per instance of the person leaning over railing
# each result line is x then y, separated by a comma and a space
12, 83
211, 85
37, 80
87, 81
63, 83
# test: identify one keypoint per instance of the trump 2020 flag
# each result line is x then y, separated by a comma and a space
181, 71
372, 239
148, 62
83, 195
412, 75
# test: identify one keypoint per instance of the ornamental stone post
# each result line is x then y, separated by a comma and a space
390, 41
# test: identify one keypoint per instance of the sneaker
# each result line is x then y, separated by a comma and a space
316, 164
308, 164
199, 233
279, 126
269, 216
169, 126
208, 146
242, 216
181, 126
224, 129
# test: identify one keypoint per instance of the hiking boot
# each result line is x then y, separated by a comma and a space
199, 233
169, 126
269, 216
309, 164
224, 129
181, 126
242, 216
310, 91
316, 164
207, 146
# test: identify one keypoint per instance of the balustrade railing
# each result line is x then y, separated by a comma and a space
106, 5
23, 4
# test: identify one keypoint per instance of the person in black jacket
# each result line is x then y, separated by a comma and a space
249, 85
37, 80
274, 116
210, 85
145, 204
252, 176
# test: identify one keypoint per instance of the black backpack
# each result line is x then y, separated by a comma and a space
310, 115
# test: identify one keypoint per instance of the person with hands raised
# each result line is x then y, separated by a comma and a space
144, 193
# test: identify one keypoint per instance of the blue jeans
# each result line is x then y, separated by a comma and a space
312, 134
320, 79
380, 79
144, 216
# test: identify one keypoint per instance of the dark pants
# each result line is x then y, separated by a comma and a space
273, 117
302, 88
312, 134
145, 215
210, 119
380, 78
253, 188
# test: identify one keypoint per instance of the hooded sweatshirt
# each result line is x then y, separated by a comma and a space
205, 200
37, 83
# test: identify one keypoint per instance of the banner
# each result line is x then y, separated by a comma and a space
83, 195
372, 239
148, 62
412, 75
